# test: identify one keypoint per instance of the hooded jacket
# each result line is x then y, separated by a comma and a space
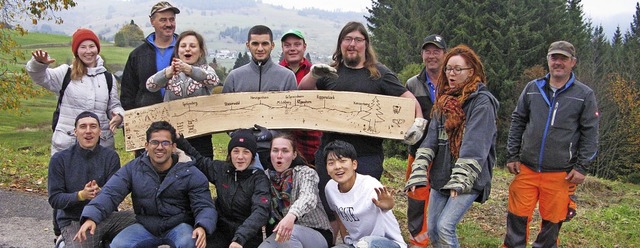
182, 197
90, 93
473, 169
242, 196
554, 131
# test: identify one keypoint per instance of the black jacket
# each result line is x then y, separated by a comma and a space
141, 65
242, 197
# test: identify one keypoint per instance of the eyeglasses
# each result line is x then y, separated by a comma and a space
163, 143
456, 70
347, 40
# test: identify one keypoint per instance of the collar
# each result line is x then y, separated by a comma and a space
151, 39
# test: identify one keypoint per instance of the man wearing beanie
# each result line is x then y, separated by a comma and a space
76, 176
243, 191
150, 57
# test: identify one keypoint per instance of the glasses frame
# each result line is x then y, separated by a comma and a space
348, 39
456, 70
156, 143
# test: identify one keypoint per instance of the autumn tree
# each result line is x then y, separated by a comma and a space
129, 35
15, 84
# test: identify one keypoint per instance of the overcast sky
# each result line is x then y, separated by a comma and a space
608, 13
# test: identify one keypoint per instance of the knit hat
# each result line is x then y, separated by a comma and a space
562, 47
436, 40
243, 138
86, 114
81, 35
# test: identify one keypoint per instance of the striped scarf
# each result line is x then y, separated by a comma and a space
450, 104
281, 186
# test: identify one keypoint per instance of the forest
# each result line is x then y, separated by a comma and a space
512, 38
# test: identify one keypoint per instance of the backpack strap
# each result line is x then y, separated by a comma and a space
109, 79
65, 83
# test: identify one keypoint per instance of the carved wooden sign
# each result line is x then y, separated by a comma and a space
335, 111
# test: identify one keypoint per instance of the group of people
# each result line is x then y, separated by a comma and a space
306, 188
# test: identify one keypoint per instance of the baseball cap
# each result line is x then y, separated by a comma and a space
436, 40
162, 6
562, 47
295, 32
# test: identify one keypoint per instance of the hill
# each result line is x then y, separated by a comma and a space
210, 18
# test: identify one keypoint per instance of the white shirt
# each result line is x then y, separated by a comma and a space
359, 215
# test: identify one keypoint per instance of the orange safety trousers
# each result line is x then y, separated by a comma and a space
418, 203
552, 192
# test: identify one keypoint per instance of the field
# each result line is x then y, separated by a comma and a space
608, 213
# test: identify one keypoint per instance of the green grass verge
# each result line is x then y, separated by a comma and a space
608, 214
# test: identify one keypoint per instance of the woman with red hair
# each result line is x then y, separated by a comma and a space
460, 144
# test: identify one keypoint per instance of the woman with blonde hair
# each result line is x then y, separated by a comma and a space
88, 89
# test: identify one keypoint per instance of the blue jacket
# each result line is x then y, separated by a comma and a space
70, 170
554, 131
182, 197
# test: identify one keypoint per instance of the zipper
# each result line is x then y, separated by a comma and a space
553, 116
260, 76
570, 153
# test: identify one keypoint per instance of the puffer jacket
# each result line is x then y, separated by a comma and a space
182, 197
473, 169
91, 93
242, 196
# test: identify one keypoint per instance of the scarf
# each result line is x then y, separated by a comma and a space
281, 185
450, 105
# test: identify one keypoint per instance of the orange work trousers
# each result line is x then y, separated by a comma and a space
418, 203
552, 193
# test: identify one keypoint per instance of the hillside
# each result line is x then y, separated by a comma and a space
106, 17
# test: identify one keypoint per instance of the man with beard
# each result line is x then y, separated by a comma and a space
148, 58
355, 68
260, 75
422, 86
552, 141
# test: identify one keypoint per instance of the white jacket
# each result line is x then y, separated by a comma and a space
91, 93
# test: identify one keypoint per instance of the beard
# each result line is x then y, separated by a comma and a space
352, 62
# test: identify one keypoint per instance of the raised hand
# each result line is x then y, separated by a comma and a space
385, 198
42, 57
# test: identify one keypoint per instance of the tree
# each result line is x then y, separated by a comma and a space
129, 35
241, 60
15, 84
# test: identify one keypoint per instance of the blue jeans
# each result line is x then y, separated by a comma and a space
137, 236
371, 242
444, 214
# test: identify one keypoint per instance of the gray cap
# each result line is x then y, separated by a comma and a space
562, 47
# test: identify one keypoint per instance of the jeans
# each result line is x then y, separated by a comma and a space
371, 242
443, 216
137, 236
301, 236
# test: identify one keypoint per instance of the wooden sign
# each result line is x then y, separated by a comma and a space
335, 111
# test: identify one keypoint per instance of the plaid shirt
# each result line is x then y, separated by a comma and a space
307, 141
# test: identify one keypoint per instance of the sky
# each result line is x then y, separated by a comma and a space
608, 13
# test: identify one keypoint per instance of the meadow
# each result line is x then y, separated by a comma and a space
608, 213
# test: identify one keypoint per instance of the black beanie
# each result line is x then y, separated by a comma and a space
243, 138
86, 114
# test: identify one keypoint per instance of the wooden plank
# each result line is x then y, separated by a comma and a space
336, 111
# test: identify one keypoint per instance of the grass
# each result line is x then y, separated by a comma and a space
608, 215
